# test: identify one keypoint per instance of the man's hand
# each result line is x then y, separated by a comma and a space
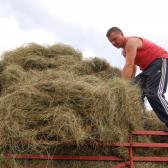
128, 71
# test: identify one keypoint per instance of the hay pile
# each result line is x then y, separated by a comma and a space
50, 95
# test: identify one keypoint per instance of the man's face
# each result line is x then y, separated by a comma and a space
116, 39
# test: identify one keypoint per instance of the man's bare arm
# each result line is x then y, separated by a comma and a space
131, 51
127, 72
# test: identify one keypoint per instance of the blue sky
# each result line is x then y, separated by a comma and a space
82, 24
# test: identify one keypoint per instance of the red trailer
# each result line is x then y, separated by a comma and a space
122, 163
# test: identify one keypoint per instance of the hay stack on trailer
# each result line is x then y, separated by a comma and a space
51, 95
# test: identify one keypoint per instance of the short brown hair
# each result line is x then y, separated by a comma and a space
113, 29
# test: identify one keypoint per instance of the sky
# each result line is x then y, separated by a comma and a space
82, 24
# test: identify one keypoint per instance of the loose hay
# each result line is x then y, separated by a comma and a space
12, 74
49, 95
98, 68
33, 56
95, 110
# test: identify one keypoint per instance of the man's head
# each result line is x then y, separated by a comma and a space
116, 37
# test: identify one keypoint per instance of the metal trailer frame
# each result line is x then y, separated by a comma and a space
122, 162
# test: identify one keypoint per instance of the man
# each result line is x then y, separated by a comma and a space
152, 60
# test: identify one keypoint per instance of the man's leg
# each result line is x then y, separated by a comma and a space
156, 85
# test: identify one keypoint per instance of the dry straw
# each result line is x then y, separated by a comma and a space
50, 95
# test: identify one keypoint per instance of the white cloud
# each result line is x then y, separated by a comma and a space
11, 36
88, 53
143, 16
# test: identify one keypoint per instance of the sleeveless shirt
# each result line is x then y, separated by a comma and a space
147, 53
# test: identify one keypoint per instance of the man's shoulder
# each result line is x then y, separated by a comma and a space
134, 38
135, 41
